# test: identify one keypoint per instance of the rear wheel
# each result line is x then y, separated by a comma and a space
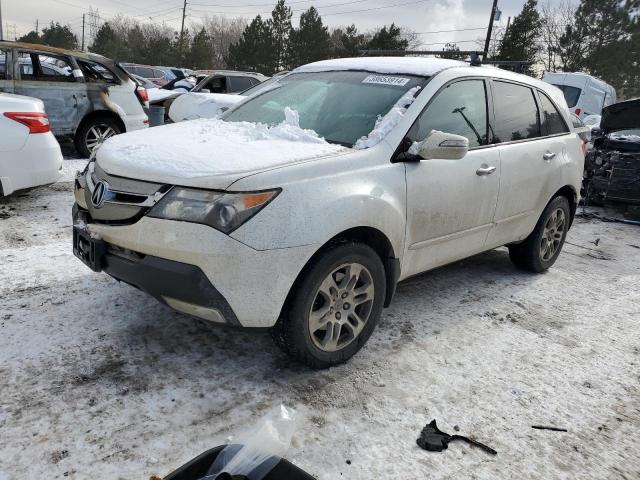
335, 307
93, 133
539, 251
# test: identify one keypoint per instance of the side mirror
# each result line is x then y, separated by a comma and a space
442, 146
596, 131
205, 90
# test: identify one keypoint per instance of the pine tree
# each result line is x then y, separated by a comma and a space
56, 35
349, 42
108, 43
201, 51
310, 42
31, 37
632, 74
598, 40
255, 49
388, 39
521, 40
280, 24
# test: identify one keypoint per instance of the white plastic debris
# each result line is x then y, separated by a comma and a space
255, 453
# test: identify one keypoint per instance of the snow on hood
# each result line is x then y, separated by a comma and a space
408, 65
210, 152
387, 123
201, 105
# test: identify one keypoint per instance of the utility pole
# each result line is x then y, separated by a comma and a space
184, 14
1, 34
82, 32
491, 19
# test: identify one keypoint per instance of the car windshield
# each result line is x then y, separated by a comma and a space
339, 106
260, 86
571, 94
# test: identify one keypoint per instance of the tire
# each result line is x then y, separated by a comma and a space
98, 128
539, 251
320, 327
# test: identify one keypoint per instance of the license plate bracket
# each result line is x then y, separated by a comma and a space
89, 250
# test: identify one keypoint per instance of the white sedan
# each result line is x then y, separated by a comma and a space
29, 153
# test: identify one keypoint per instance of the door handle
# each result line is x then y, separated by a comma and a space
548, 156
485, 170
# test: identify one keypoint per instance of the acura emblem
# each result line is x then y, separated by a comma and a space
100, 194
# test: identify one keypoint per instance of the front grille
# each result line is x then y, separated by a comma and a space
126, 199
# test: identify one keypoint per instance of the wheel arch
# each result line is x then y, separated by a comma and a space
570, 194
91, 116
369, 236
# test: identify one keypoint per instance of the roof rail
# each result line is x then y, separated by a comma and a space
474, 56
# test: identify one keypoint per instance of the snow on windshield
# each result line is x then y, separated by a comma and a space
387, 123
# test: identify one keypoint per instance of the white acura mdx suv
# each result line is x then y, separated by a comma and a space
302, 207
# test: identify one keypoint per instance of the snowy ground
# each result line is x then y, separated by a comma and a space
97, 380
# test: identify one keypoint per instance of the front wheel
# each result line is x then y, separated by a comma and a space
93, 133
539, 251
335, 306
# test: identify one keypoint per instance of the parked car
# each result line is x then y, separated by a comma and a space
302, 207
158, 75
227, 81
29, 153
87, 96
613, 165
194, 104
585, 95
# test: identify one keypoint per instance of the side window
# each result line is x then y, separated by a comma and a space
552, 121
3, 64
516, 112
239, 84
45, 68
460, 108
145, 72
217, 85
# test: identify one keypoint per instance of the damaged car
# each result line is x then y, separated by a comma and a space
87, 96
302, 207
612, 167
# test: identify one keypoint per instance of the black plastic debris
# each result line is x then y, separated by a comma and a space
433, 439
544, 427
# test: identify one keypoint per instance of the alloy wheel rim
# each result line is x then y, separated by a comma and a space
341, 307
552, 235
97, 134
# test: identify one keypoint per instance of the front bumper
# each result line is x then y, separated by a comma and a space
199, 270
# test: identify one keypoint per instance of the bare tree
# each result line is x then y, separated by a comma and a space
555, 18
223, 32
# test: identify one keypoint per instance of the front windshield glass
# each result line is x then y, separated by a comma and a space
339, 106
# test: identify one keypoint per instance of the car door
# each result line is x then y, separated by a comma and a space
528, 159
54, 80
451, 203
6, 71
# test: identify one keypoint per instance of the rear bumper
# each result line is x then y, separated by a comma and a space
135, 122
39, 162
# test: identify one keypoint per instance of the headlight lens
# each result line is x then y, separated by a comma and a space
222, 211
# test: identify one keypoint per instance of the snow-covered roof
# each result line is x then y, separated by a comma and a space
424, 66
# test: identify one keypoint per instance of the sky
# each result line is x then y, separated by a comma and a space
432, 18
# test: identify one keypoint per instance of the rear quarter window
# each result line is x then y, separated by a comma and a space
552, 121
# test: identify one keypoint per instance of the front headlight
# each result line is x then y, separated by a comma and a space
220, 210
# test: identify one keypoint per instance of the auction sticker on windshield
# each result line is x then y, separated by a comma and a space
386, 80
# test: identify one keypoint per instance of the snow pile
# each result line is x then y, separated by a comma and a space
387, 123
592, 120
624, 137
409, 65
210, 147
